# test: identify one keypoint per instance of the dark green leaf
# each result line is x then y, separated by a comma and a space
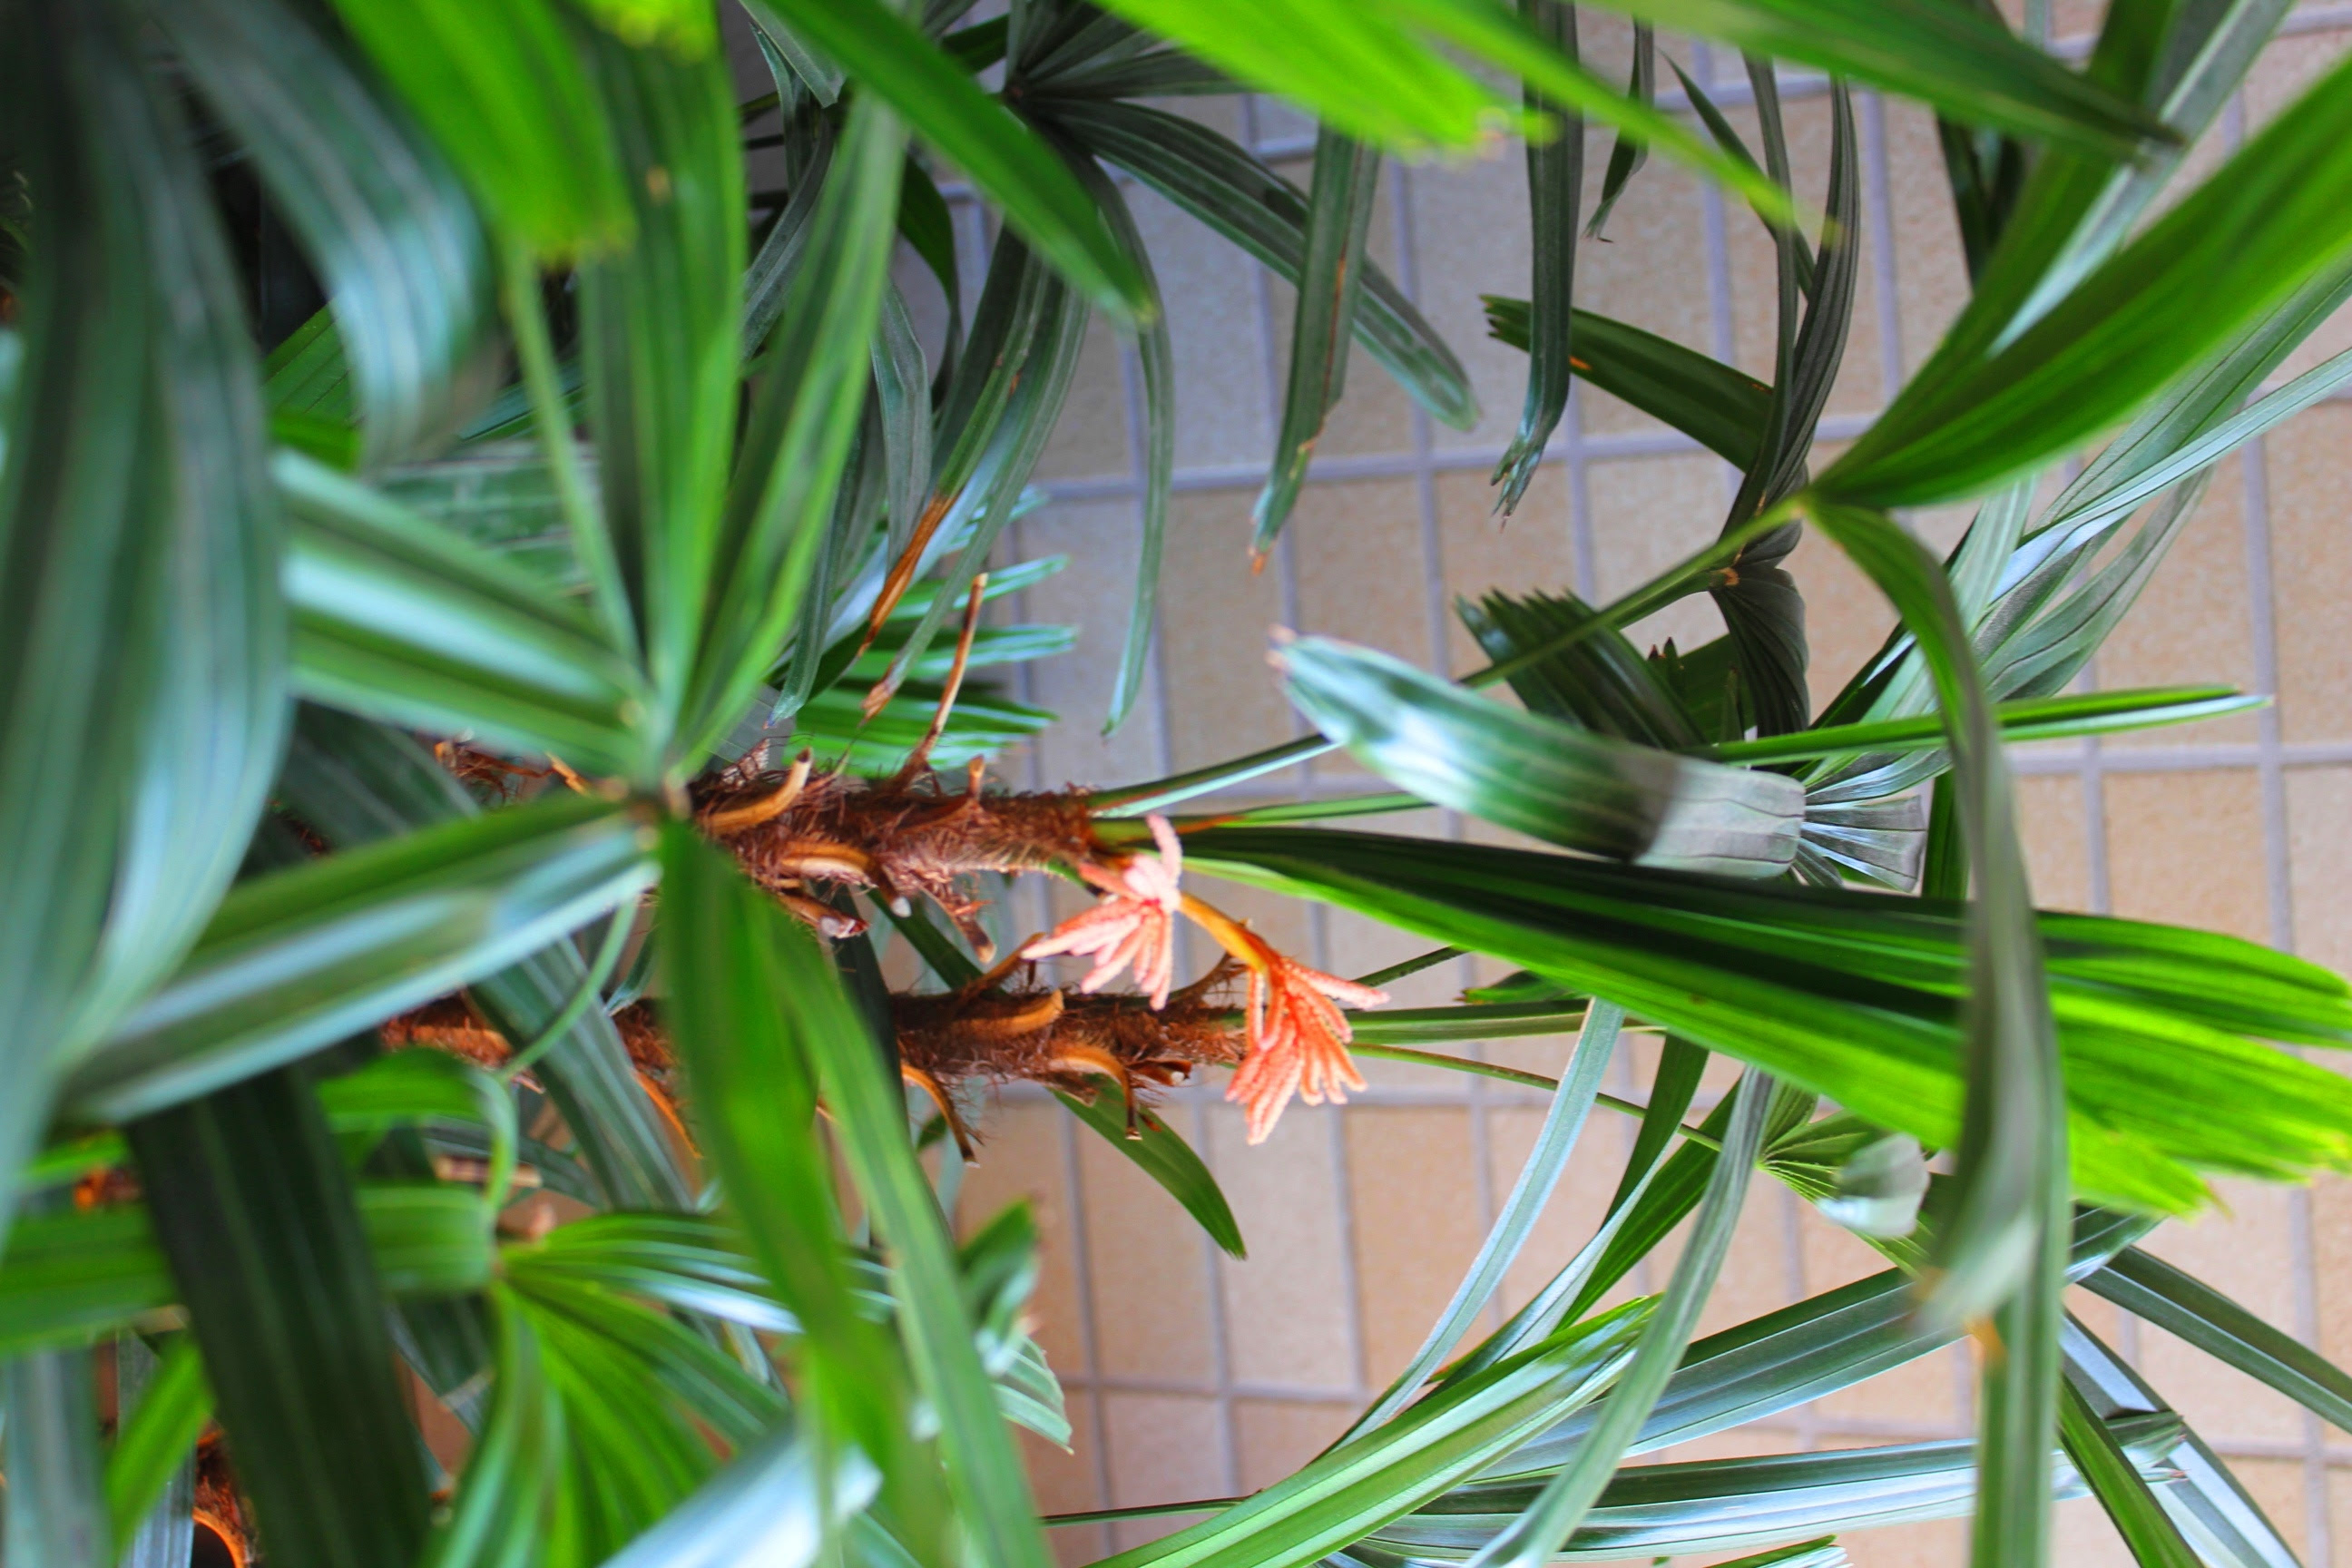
1714, 404
302, 957
502, 89
1382, 72
1600, 682
1165, 1157
142, 632
1855, 996
2151, 1289
402, 621
925, 223
2077, 207
869, 1121
1331, 281
1040, 197
1265, 214
1540, 775
819, 75
741, 983
1554, 195
1959, 60
799, 431
1796, 256
902, 405
1627, 156
1003, 453
1156, 358
2033, 718
254, 1210
661, 330
1763, 609
406, 266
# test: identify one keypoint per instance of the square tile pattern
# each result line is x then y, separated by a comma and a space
1191, 1375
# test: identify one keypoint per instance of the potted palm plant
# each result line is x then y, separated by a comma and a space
489, 613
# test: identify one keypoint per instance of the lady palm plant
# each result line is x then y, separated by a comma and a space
455, 744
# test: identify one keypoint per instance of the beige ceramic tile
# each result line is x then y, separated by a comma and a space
2191, 625
2278, 1489
1830, 1254
1922, 1397
1931, 277
2099, 1315
1221, 696
1090, 440
2187, 848
1286, 1316
1629, 276
1093, 593
1358, 548
1274, 1437
1151, 1287
1933, 1543
1022, 1157
1545, 1054
2338, 1506
1065, 1480
2287, 69
2331, 1225
2051, 813
2311, 550
1846, 618
1413, 1174
1224, 413
1534, 551
1761, 1272
1161, 1449
1578, 1205
2246, 1253
1362, 568
2082, 1536
1472, 227
2319, 863
1647, 514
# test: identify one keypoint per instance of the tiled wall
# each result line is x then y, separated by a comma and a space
1191, 1375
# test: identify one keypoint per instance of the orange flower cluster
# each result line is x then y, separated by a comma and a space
1298, 1036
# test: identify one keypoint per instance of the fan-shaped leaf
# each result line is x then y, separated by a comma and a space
406, 266
1543, 776
299, 958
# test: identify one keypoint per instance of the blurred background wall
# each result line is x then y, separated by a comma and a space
1192, 1375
